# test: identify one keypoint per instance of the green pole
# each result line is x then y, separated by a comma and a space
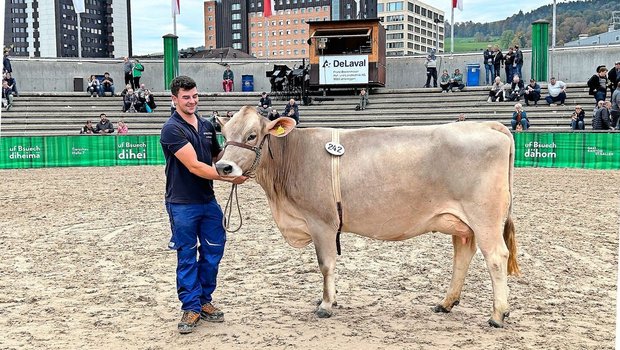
540, 50
171, 59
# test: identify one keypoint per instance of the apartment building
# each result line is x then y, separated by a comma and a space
49, 28
412, 27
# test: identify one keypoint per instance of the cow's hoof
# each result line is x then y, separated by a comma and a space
439, 308
498, 324
320, 301
323, 313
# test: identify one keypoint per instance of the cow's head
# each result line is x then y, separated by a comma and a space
245, 133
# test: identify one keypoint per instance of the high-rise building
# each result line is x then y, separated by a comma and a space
49, 28
412, 27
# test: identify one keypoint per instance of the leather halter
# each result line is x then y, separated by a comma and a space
257, 153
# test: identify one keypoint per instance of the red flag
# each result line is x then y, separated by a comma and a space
457, 4
176, 7
268, 9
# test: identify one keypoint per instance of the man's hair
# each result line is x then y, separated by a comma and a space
181, 82
106, 73
102, 115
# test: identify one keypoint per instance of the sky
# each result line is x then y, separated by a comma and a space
151, 19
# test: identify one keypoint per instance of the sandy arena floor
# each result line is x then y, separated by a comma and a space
85, 265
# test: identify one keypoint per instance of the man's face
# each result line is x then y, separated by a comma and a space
106, 75
552, 81
617, 65
532, 83
103, 118
186, 101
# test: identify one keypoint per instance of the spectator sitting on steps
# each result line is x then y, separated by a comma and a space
557, 92
597, 85
107, 85
273, 115
122, 128
519, 119
131, 102
93, 87
516, 89
532, 92
444, 81
615, 107
87, 128
264, 105
104, 126
11, 82
363, 99
292, 110
457, 81
601, 120
497, 91
577, 119
7, 96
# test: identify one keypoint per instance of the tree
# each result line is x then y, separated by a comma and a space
506, 39
479, 37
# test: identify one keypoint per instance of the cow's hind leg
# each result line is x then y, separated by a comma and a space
325, 246
464, 250
495, 254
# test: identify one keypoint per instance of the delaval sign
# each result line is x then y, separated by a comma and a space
349, 69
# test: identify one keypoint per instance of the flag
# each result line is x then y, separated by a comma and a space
79, 6
268, 9
176, 7
457, 4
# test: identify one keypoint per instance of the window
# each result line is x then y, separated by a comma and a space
236, 36
394, 6
236, 26
303, 51
417, 9
379, 8
236, 16
235, 7
424, 12
236, 46
395, 45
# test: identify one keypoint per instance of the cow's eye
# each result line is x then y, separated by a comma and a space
252, 137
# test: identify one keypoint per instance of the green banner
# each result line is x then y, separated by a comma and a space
550, 150
568, 150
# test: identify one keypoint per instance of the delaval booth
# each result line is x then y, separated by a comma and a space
347, 53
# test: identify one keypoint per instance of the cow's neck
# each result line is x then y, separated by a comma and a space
275, 167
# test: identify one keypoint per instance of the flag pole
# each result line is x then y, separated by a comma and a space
174, 24
452, 31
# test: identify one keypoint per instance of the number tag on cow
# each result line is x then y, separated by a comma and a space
334, 148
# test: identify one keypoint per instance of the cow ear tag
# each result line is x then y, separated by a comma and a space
280, 130
334, 148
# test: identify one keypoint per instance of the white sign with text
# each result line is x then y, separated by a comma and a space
343, 69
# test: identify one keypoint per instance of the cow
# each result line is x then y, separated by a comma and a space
454, 178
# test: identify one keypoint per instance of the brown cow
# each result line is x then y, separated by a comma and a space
454, 178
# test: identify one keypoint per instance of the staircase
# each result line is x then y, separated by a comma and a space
46, 114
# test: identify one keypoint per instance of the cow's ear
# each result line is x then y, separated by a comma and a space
281, 126
222, 120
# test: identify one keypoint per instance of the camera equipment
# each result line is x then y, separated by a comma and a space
287, 83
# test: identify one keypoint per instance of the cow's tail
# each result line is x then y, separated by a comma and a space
509, 227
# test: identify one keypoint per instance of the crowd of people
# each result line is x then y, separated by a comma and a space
104, 127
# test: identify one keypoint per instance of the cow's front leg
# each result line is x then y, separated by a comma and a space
326, 255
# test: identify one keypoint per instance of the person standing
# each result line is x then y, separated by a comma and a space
489, 65
228, 79
190, 148
597, 84
518, 63
601, 120
136, 73
127, 68
431, 69
498, 59
509, 60
615, 107
6, 63
614, 77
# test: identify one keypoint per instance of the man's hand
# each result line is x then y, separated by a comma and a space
237, 180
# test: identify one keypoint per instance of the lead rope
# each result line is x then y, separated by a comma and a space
228, 210
233, 190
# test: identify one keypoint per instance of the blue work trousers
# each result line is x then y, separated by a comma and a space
199, 238
489, 71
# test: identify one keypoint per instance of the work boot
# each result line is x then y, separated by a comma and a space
210, 313
188, 322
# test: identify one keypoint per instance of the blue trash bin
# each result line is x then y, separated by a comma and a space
247, 83
473, 74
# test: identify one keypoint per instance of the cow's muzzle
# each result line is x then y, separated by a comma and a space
223, 168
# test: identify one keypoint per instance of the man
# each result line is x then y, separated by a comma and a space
518, 63
601, 120
532, 92
190, 148
489, 65
104, 126
228, 79
107, 84
292, 110
614, 77
498, 59
431, 69
6, 63
7, 96
509, 61
264, 105
597, 84
127, 68
557, 92
456, 81
615, 107
516, 89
